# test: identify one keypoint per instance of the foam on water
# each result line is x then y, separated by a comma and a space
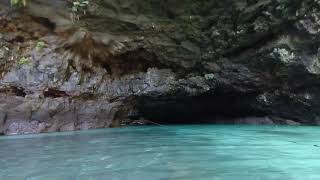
166, 152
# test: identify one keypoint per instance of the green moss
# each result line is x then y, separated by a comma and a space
23, 61
40, 45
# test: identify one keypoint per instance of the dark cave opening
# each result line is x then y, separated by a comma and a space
219, 108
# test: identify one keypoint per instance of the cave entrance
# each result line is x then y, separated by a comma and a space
219, 108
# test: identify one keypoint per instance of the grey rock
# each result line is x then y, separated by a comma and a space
292, 123
24, 127
3, 52
30, 115
254, 121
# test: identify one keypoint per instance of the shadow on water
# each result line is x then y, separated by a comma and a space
282, 132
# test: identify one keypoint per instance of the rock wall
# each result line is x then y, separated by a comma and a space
165, 61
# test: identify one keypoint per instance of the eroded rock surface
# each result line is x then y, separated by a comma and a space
165, 61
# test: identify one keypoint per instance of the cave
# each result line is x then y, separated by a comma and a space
217, 108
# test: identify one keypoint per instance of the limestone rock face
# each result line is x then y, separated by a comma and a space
164, 61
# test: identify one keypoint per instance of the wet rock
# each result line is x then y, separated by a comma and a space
3, 117
292, 123
68, 127
254, 121
21, 115
285, 121
24, 127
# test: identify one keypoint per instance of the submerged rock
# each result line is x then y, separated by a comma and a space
166, 61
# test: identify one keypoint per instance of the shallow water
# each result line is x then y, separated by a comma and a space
165, 152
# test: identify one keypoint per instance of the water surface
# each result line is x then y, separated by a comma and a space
165, 152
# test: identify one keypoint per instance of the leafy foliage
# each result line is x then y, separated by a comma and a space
18, 2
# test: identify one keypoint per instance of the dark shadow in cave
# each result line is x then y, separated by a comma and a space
219, 108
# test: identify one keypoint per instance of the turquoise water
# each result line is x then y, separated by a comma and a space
166, 152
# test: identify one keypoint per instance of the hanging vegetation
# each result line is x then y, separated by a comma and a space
18, 2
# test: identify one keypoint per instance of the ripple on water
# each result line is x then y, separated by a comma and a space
169, 152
